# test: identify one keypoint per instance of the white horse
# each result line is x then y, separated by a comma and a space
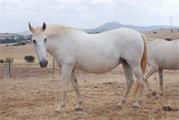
94, 53
162, 54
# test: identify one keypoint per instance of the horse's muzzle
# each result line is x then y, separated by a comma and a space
43, 63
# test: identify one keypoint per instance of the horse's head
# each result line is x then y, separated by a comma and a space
39, 40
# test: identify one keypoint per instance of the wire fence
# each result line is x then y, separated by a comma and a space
11, 68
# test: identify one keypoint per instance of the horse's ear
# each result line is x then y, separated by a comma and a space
44, 26
30, 27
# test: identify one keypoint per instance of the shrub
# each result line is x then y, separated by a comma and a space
2, 61
168, 39
154, 32
29, 58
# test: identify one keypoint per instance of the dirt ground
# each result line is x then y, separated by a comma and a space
32, 94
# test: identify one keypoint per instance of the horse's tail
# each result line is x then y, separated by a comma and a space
143, 61
144, 57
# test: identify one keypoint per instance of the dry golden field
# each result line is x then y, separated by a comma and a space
163, 33
32, 93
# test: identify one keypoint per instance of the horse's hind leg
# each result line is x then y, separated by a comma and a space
152, 70
129, 82
140, 85
160, 72
77, 91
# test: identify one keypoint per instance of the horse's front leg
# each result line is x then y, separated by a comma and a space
66, 71
160, 72
152, 70
77, 91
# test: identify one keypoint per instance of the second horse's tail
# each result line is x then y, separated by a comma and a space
144, 57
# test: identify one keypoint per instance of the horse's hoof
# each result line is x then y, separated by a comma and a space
154, 93
161, 93
119, 106
80, 101
149, 89
157, 96
77, 109
136, 105
59, 110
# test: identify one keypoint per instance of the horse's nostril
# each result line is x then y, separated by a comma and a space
43, 63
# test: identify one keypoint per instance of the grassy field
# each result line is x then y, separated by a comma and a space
32, 93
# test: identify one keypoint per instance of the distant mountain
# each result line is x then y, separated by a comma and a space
14, 37
115, 25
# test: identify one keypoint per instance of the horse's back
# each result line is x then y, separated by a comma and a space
122, 34
164, 54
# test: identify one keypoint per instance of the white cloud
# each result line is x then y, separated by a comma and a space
15, 14
101, 1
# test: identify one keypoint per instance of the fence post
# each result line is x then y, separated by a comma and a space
9, 66
53, 66
1, 71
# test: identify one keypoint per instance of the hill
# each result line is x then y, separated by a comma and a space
115, 25
14, 37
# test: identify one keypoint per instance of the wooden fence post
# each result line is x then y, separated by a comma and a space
1, 71
53, 66
9, 66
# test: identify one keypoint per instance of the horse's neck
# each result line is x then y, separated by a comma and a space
57, 41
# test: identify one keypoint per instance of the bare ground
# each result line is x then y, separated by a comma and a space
31, 94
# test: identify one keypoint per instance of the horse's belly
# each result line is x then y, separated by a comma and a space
97, 66
170, 64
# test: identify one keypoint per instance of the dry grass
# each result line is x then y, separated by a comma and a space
33, 95
163, 34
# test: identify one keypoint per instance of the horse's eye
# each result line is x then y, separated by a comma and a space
45, 39
34, 41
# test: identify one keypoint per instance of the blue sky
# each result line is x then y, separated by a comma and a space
15, 14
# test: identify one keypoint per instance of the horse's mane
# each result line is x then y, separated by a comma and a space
52, 29
56, 30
